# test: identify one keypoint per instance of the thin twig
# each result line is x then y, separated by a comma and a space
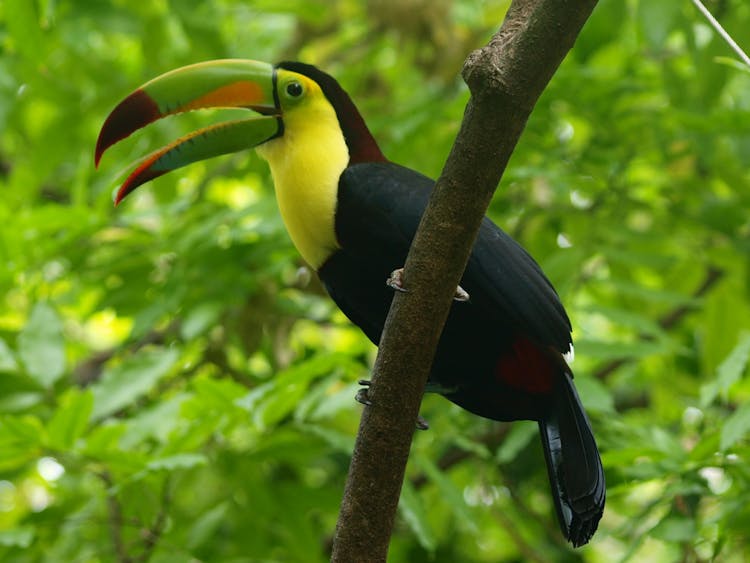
526, 550
455, 455
713, 276
154, 532
549, 528
115, 518
90, 370
722, 32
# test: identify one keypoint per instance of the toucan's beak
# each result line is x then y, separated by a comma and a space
230, 83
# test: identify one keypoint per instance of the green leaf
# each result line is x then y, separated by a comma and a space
729, 372
735, 427
519, 435
20, 440
70, 419
8, 362
18, 392
156, 422
667, 443
657, 21
595, 395
121, 385
200, 319
339, 441
413, 511
17, 402
177, 461
104, 440
17, 537
675, 529
23, 24
625, 318
276, 399
733, 63
473, 445
41, 346
207, 524
657, 296
215, 393
603, 350
450, 494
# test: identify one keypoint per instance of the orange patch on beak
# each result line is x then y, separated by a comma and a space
237, 94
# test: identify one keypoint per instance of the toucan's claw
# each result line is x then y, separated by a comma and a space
363, 397
461, 295
394, 281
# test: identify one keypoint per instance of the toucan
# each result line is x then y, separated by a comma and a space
352, 215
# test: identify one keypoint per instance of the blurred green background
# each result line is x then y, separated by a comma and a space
176, 386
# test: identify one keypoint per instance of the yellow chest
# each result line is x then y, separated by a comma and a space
306, 163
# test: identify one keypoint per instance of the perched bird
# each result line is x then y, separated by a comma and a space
352, 214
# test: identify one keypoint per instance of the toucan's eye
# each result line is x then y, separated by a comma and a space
294, 89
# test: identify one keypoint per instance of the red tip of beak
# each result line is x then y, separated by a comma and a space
139, 176
134, 112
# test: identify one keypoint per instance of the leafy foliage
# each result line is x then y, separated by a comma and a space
175, 385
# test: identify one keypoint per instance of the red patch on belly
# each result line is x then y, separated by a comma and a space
524, 366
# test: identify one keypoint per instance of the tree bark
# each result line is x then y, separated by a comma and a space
505, 78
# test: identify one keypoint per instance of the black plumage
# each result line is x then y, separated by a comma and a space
500, 354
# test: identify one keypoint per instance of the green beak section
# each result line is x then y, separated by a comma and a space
230, 83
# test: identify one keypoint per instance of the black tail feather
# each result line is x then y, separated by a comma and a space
575, 469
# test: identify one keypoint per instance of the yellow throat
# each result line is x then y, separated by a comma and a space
306, 163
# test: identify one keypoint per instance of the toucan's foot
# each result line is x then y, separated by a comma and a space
363, 397
394, 281
461, 295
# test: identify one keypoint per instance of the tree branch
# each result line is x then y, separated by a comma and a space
669, 320
505, 78
115, 518
153, 533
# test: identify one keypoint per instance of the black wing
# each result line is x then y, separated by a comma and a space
378, 212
